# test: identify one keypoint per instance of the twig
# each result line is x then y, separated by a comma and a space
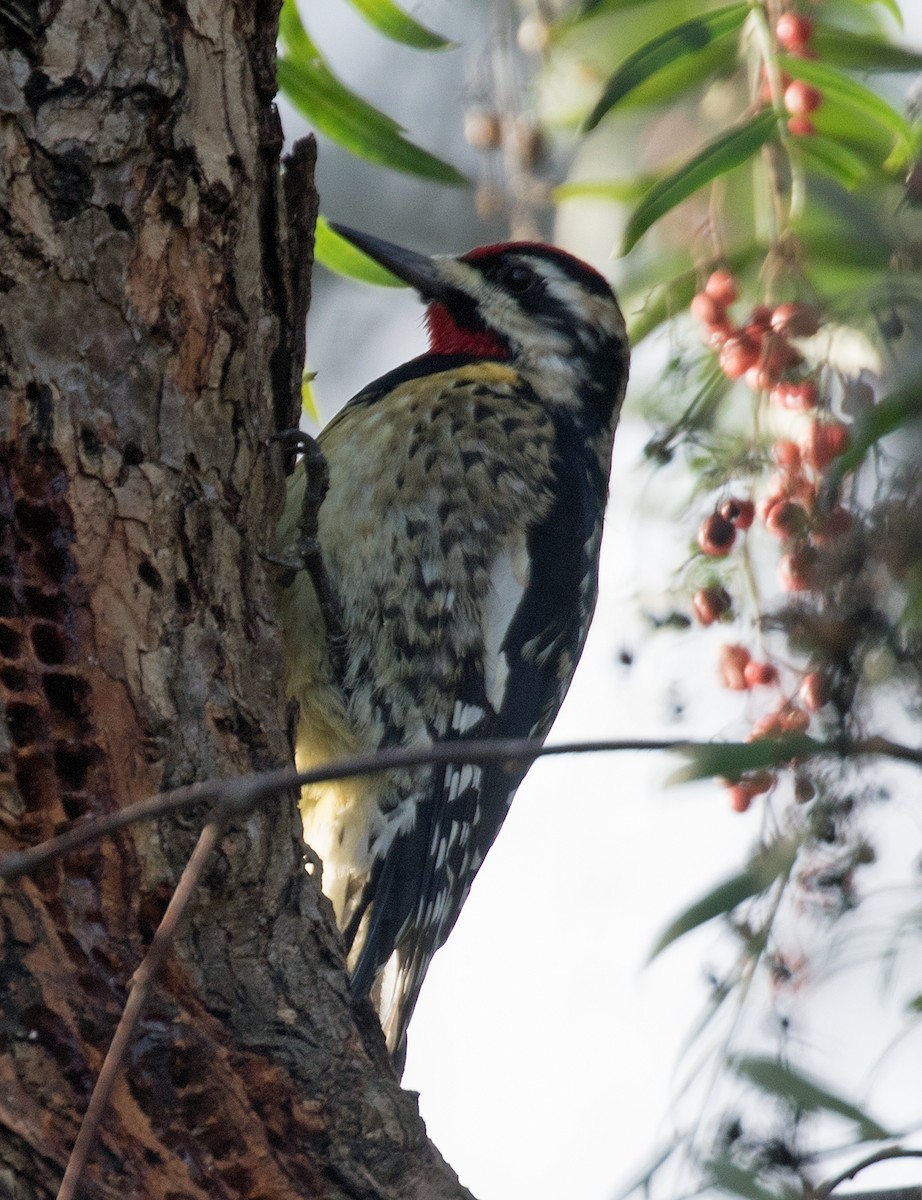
914, 1193
141, 987
271, 783
246, 791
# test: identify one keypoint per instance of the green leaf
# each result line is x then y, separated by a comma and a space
732, 759
340, 255
686, 72
308, 400
292, 34
805, 1093
863, 52
729, 150
604, 189
348, 120
891, 6
394, 23
861, 104
686, 39
764, 868
592, 8
830, 157
329, 105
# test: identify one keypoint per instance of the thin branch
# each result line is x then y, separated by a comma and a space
141, 987
243, 793
914, 1193
257, 787
904, 1193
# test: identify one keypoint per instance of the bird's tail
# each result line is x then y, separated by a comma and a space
394, 995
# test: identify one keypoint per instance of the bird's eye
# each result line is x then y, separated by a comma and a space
517, 278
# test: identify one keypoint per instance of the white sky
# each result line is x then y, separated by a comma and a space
544, 1051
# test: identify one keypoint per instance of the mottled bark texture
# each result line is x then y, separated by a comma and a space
153, 281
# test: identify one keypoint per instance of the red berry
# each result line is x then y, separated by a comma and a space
800, 99
710, 604
708, 310
739, 796
765, 91
740, 513
760, 317
794, 32
731, 667
795, 320
786, 519
823, 442
721, 286
786, 453
796, 569
737, 355
716, 536
716, 335
760, 674
814, 690
801, 127
778, 354
788, 485
760, 380
800, 396
755, 332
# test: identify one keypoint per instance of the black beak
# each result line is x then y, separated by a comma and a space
418, 270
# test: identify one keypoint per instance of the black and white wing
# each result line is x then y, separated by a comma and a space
535, 621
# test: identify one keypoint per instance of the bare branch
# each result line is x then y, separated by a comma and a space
912, 1193
243, 793
904, 1193
142, 985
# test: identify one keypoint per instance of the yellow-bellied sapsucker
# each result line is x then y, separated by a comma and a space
459, 540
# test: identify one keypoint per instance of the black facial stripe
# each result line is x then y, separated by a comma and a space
589, 280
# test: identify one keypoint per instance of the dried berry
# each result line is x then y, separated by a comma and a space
740, 513
716, 536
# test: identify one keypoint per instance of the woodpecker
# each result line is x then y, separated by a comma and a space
459, 540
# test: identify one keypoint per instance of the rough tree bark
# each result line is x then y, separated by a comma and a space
153, 284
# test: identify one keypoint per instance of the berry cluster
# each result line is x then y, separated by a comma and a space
759, 350
800, 99
762, 352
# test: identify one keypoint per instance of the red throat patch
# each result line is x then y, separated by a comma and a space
446, 336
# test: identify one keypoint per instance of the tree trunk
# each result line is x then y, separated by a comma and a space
153, 285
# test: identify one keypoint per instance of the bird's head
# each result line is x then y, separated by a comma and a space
555, 318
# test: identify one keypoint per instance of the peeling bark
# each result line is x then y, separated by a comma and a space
154, 276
